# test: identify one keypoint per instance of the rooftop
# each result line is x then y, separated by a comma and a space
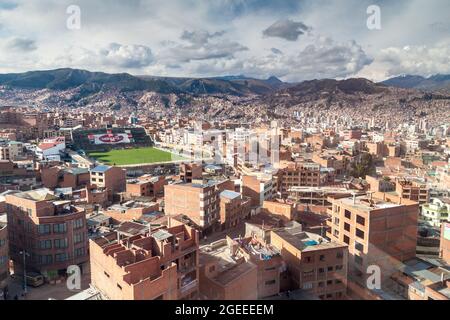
43, 194
305, 241
365, 203
230, 194
101, 168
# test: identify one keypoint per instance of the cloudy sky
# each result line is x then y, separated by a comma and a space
292, 39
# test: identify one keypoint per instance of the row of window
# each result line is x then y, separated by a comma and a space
311, 273
59, 257
59, 227
309, 259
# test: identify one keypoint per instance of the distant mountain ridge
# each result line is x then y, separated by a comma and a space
439, 82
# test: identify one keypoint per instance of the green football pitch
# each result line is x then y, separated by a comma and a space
134, 156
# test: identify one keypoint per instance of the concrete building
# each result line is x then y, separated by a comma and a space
233, 209
160, 264
314, 264
11, 150
225, 272
379, 229
435, 212
51, 231
199, 202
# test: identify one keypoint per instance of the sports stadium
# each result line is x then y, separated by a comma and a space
120, 146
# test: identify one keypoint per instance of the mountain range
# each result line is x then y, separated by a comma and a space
87, 82
436, 83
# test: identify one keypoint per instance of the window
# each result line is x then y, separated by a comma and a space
336, 221
60, 228
321, 284
339, 267
339, 255
61, 243
45, 244
346, 240
336, 233
348, 214
212, 268
346, 227
45, 259
61, 257
360, 233
329, 282
322, 257
78, 238
307, 286
29, 212
330, 269
44, 229
2, 242
270, 282
321, 270
360, 220
78, 223
79, 252
308, 259
3, 260
309, 273
338, 282
358, 260
359, 246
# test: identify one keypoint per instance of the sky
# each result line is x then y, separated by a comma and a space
294, 40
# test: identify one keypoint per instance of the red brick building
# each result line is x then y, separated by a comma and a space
51, 231
160, 265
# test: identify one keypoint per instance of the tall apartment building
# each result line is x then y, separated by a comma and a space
314, 264
111, 178
298, 175
4, 257
158, 265
199, 202
379, 229
52, 232
412, 190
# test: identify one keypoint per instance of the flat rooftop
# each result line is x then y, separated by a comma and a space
364, 203
43, 194
305, 241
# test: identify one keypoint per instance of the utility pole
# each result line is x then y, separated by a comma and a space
24, 254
